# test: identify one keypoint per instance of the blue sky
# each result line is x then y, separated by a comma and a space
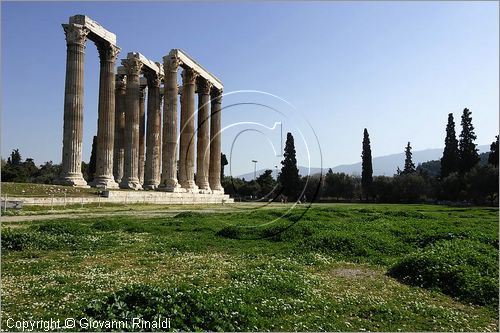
396, 68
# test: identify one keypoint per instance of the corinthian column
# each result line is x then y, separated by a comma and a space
215, 142
187, 150
142, 127
153, 139
71, 174
169, 144
203, 149
106, 116
119, 147
131, 157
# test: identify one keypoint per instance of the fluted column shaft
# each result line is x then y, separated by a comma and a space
131, 157
169, 143
119, 148
142, 131
106, 117
71, 174
215, 142
187, 149
153, 138
203, 148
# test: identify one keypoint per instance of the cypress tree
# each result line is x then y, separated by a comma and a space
92, 161
449, 161
223, 163
468, 156
289, 175
366, 165
493, 156
409, 166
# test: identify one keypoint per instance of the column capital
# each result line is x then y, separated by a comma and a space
132, 66
154, 79
189, 76
204, 87
107, 51
76, 34
216, 95
171, 63
120, 82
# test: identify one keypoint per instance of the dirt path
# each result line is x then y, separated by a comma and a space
145, 213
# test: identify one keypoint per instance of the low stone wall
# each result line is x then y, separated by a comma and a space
131, 197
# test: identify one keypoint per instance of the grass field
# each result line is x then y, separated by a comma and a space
44, 190
332, 267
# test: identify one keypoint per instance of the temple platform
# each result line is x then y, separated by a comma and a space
131, 197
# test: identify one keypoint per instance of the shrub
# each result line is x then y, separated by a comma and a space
465, 269
230, 231
188, 307
61, 228
15, 240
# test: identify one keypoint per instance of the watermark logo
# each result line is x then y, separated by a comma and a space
255, 128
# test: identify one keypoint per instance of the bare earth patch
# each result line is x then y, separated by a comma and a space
352, 272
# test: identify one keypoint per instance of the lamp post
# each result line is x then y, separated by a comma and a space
254, 169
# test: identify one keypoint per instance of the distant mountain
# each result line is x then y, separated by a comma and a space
387, 165
382, 165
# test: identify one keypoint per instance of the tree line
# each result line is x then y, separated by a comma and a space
461, 175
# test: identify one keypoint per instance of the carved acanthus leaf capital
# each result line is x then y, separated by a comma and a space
133, 66
172, 64
216, 95
120, 82
107, 51
189, 76
75, 34
204, 87
154, 79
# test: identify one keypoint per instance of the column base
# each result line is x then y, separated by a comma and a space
131, 184
170, 185
75, 180
109, 182
218, 191
190, 187
148, 185
204, 190
217, 188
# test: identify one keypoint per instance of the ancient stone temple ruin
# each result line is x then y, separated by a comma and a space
140, 142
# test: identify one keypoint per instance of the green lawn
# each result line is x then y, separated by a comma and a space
44, 190
331, 267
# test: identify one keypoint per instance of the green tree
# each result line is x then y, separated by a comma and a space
15, 170
383, 189
493, 156
449, 161
452, 187
482, 183
223, 163
410, 187
15, 158
366, 165
232, 186
289, 176
468, 156
266, 183
251, 188
30, 169
92, 162
409, 165
313, 186
430, 168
